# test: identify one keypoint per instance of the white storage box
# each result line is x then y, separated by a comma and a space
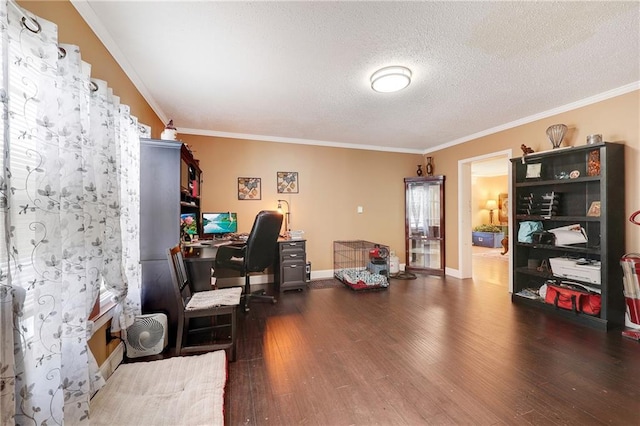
574, 269
296, 235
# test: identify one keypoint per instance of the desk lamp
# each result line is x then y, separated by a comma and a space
287, 217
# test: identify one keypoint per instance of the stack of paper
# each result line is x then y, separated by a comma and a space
570, 234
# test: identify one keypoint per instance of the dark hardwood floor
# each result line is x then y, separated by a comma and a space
426, 351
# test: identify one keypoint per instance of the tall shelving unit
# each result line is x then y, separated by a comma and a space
190, 184
578, 177
165, 193
424, 224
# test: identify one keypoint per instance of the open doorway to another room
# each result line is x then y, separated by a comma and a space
484, 185
490, 220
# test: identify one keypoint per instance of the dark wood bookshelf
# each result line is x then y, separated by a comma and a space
603, 183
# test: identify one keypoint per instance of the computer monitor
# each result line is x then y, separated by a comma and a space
189, 223
219, 223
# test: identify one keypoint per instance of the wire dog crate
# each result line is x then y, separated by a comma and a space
361, 265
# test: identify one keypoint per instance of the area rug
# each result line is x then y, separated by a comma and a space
492, 254
326, 283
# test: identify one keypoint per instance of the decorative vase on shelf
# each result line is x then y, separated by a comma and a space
419, 171
593, 163
170, 133
429, 166
556, 134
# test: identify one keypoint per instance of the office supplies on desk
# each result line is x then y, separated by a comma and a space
296, 235
223, 243
194, 244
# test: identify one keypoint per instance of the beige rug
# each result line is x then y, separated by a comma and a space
496, 254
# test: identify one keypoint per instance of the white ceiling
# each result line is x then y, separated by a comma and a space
495, 166
299, 71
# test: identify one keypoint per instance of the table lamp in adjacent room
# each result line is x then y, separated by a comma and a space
491, 206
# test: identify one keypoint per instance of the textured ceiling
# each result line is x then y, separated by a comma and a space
299, 71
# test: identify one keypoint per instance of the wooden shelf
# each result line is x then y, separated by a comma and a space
548, 275
553, 182
605, 233
588, 320
559, 218
566, 249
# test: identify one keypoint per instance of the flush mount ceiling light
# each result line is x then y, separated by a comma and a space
390, 79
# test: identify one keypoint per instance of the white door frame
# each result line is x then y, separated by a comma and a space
464, 213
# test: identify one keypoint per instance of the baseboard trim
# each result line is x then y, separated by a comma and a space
453, 273
320, 275
328, 273
113, 361
257, 280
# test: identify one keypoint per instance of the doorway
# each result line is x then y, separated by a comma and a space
471, 211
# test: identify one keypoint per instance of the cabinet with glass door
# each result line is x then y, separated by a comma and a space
424, 224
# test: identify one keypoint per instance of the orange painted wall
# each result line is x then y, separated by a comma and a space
483, 189
617, 119
333, 182
72, 29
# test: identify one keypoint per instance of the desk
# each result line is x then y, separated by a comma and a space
198, 261
289, 265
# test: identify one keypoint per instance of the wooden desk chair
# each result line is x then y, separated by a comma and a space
256, 255
210, 304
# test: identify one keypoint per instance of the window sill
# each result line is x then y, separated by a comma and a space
105, 314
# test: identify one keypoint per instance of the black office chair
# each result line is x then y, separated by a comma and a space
256, 255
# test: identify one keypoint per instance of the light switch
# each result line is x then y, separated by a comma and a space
360, 209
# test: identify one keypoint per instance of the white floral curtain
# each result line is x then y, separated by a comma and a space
68, 200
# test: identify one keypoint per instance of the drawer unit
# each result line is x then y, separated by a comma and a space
290, 268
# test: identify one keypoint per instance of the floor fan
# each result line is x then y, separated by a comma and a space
146, 336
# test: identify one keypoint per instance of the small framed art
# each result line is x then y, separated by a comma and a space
534, 170
249, 188
287, 182
503, 208
594, 209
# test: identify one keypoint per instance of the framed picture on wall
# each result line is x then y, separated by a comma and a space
287, 182
503, 208
249, 188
